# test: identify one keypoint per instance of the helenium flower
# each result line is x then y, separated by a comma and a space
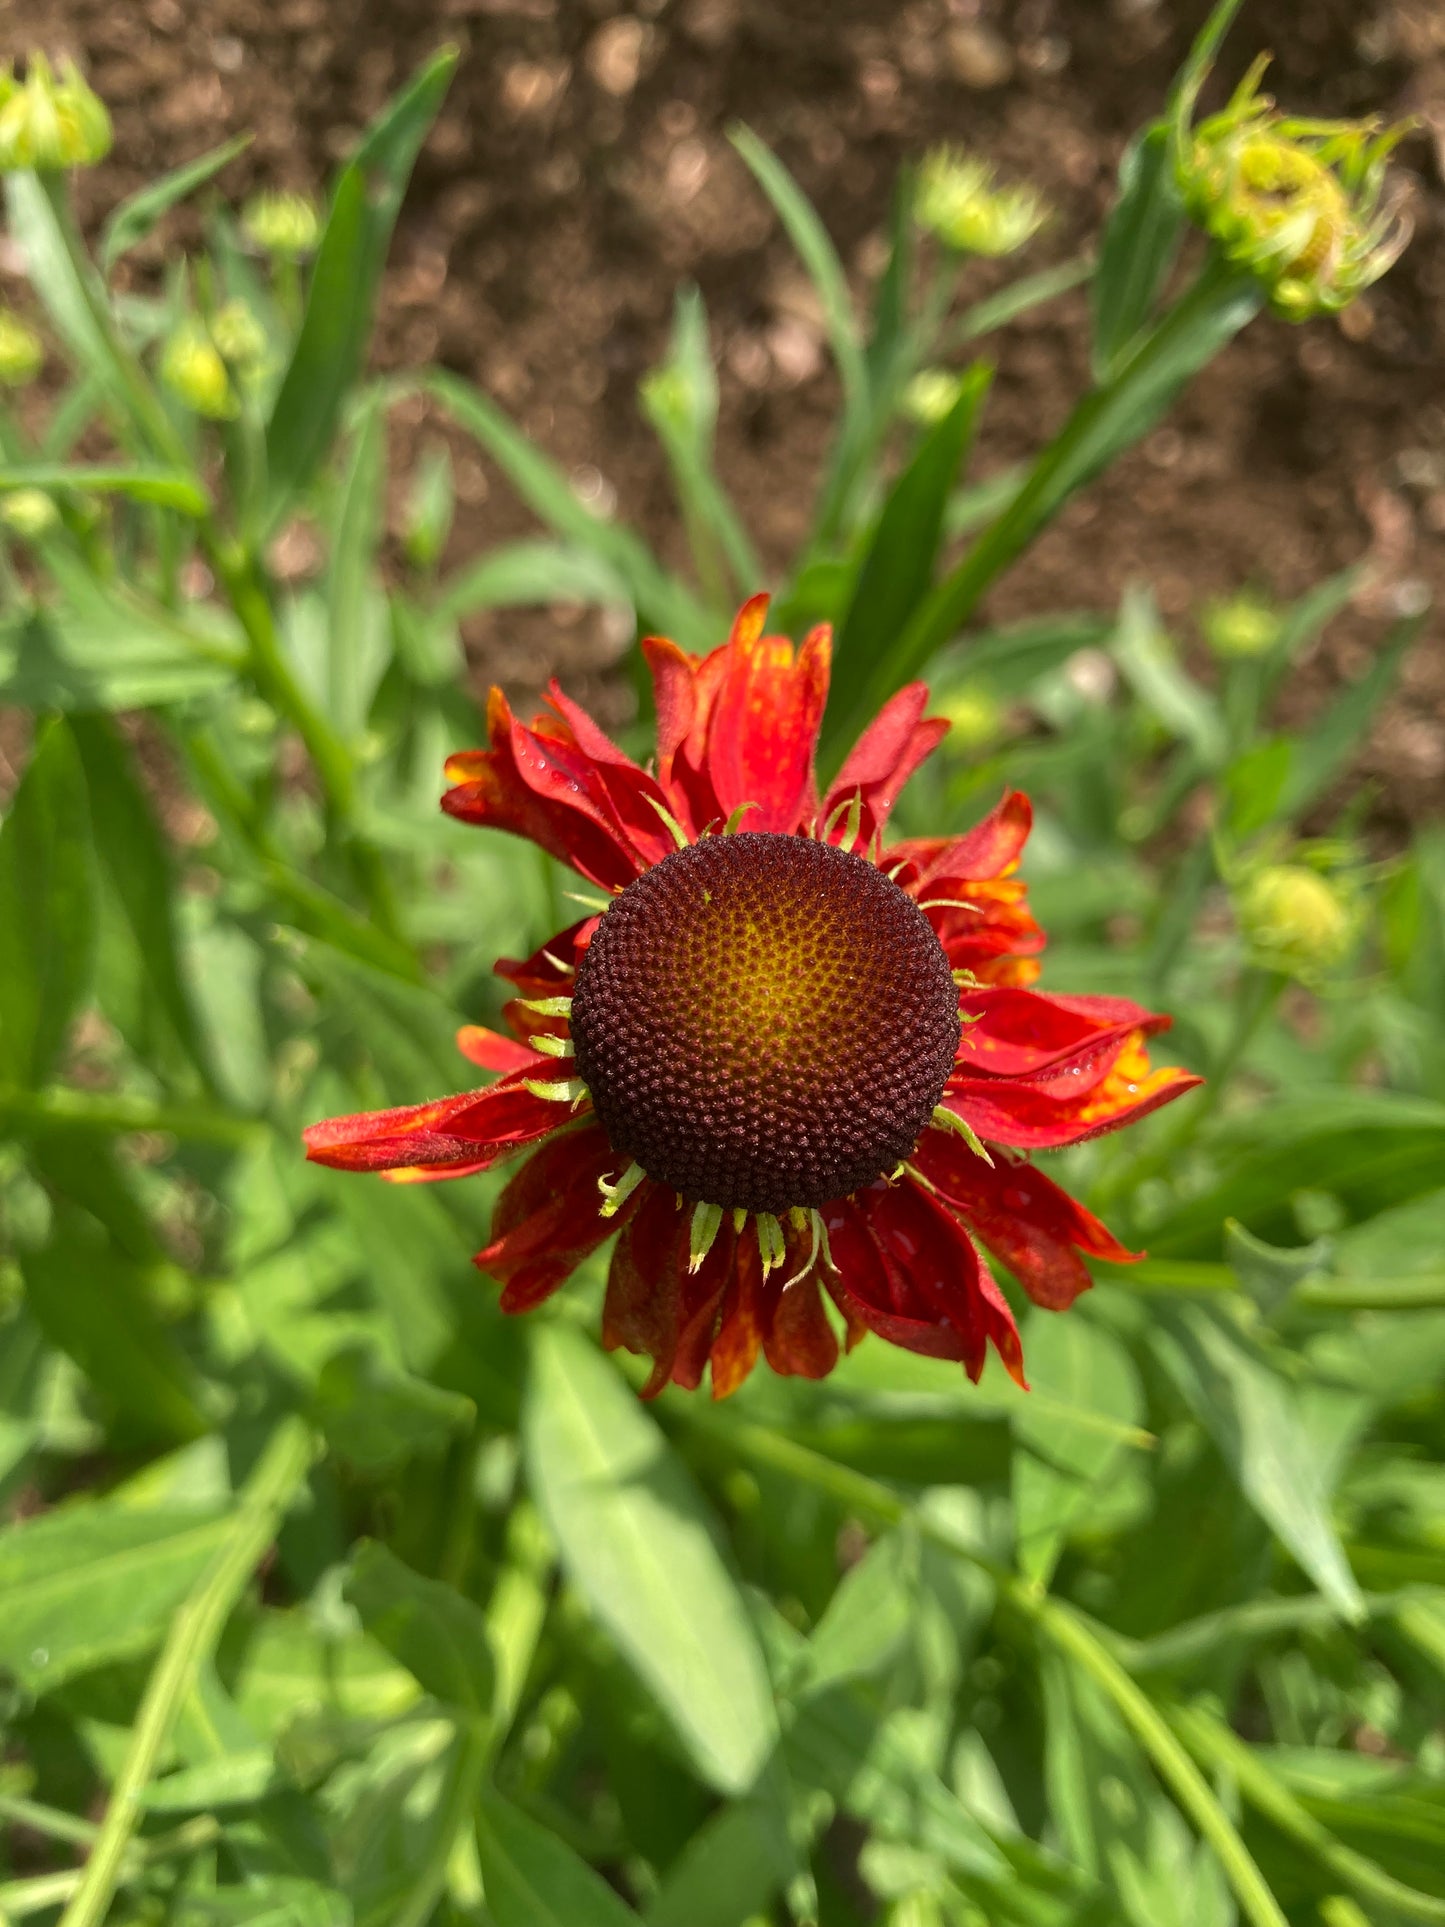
786, 1058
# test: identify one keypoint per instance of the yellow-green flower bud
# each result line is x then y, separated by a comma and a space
21, 351
284, 224
28, 512
958, 202
1301, 203
1296, 921
194, 370
974, 715
930, 395
238, 336
49, 121
1240, 625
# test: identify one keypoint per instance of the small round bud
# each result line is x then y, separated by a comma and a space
284, 224
28, 512
21, 351
1295, 920
1302, 204
1247, 624
194, 370
930, 395
238, 336
974, 715
958, 202
48, 121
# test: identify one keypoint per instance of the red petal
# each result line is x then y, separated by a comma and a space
474, 1129
797, 1338
764, 723
992, 848
494, 1052
655, 1305
1030, 1117
924, 1285
631, 792
548, 1219
882, 760
547, 790
1025, 1033
549, 971
740, 1330
1024, 1218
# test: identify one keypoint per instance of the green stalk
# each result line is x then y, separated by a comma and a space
194, 1631
237, 572
1216, 1746
1067, 1630
1106, 421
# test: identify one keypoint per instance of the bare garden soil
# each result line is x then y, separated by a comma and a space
581, 170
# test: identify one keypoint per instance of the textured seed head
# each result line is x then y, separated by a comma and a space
764, 1021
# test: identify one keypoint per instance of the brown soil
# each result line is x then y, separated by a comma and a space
581, 170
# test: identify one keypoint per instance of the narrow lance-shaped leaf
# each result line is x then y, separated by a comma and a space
47, 909
133, 220
898, 568
336, 326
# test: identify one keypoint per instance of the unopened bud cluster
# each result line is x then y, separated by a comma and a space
1239, 626
1296, 921
201, 362
1303, 204
21, 351
283, 224
958, 203
50, 121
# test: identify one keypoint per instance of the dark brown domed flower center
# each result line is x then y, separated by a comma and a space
764, 1021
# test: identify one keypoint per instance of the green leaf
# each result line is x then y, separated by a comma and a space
431, 1628
107, 654
898, 568
819, 257
137, 860
1018, 297
731, 1868
336, 327
533, 1879
530, 572
47, 909
93, 1303
1060, 1463
1146, 657
867, 1620
132, 221
636, 1537
357, 638
680, 400
95, 1581
1320, 753
1250, 1412
172, 488
660, 599
1270, 1273
1109, 419
1139, 244
53, 268
377, 1418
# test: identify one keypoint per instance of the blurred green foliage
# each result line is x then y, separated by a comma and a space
327, 1595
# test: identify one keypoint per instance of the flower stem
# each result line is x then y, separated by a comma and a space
194, 1630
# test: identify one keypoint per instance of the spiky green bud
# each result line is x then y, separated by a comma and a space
1302, 204
284, 224
50, 121
21, 351
958, 202
238, 336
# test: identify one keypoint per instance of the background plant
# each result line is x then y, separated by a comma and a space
330, 1595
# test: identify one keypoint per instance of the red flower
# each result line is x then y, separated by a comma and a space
789, 1059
